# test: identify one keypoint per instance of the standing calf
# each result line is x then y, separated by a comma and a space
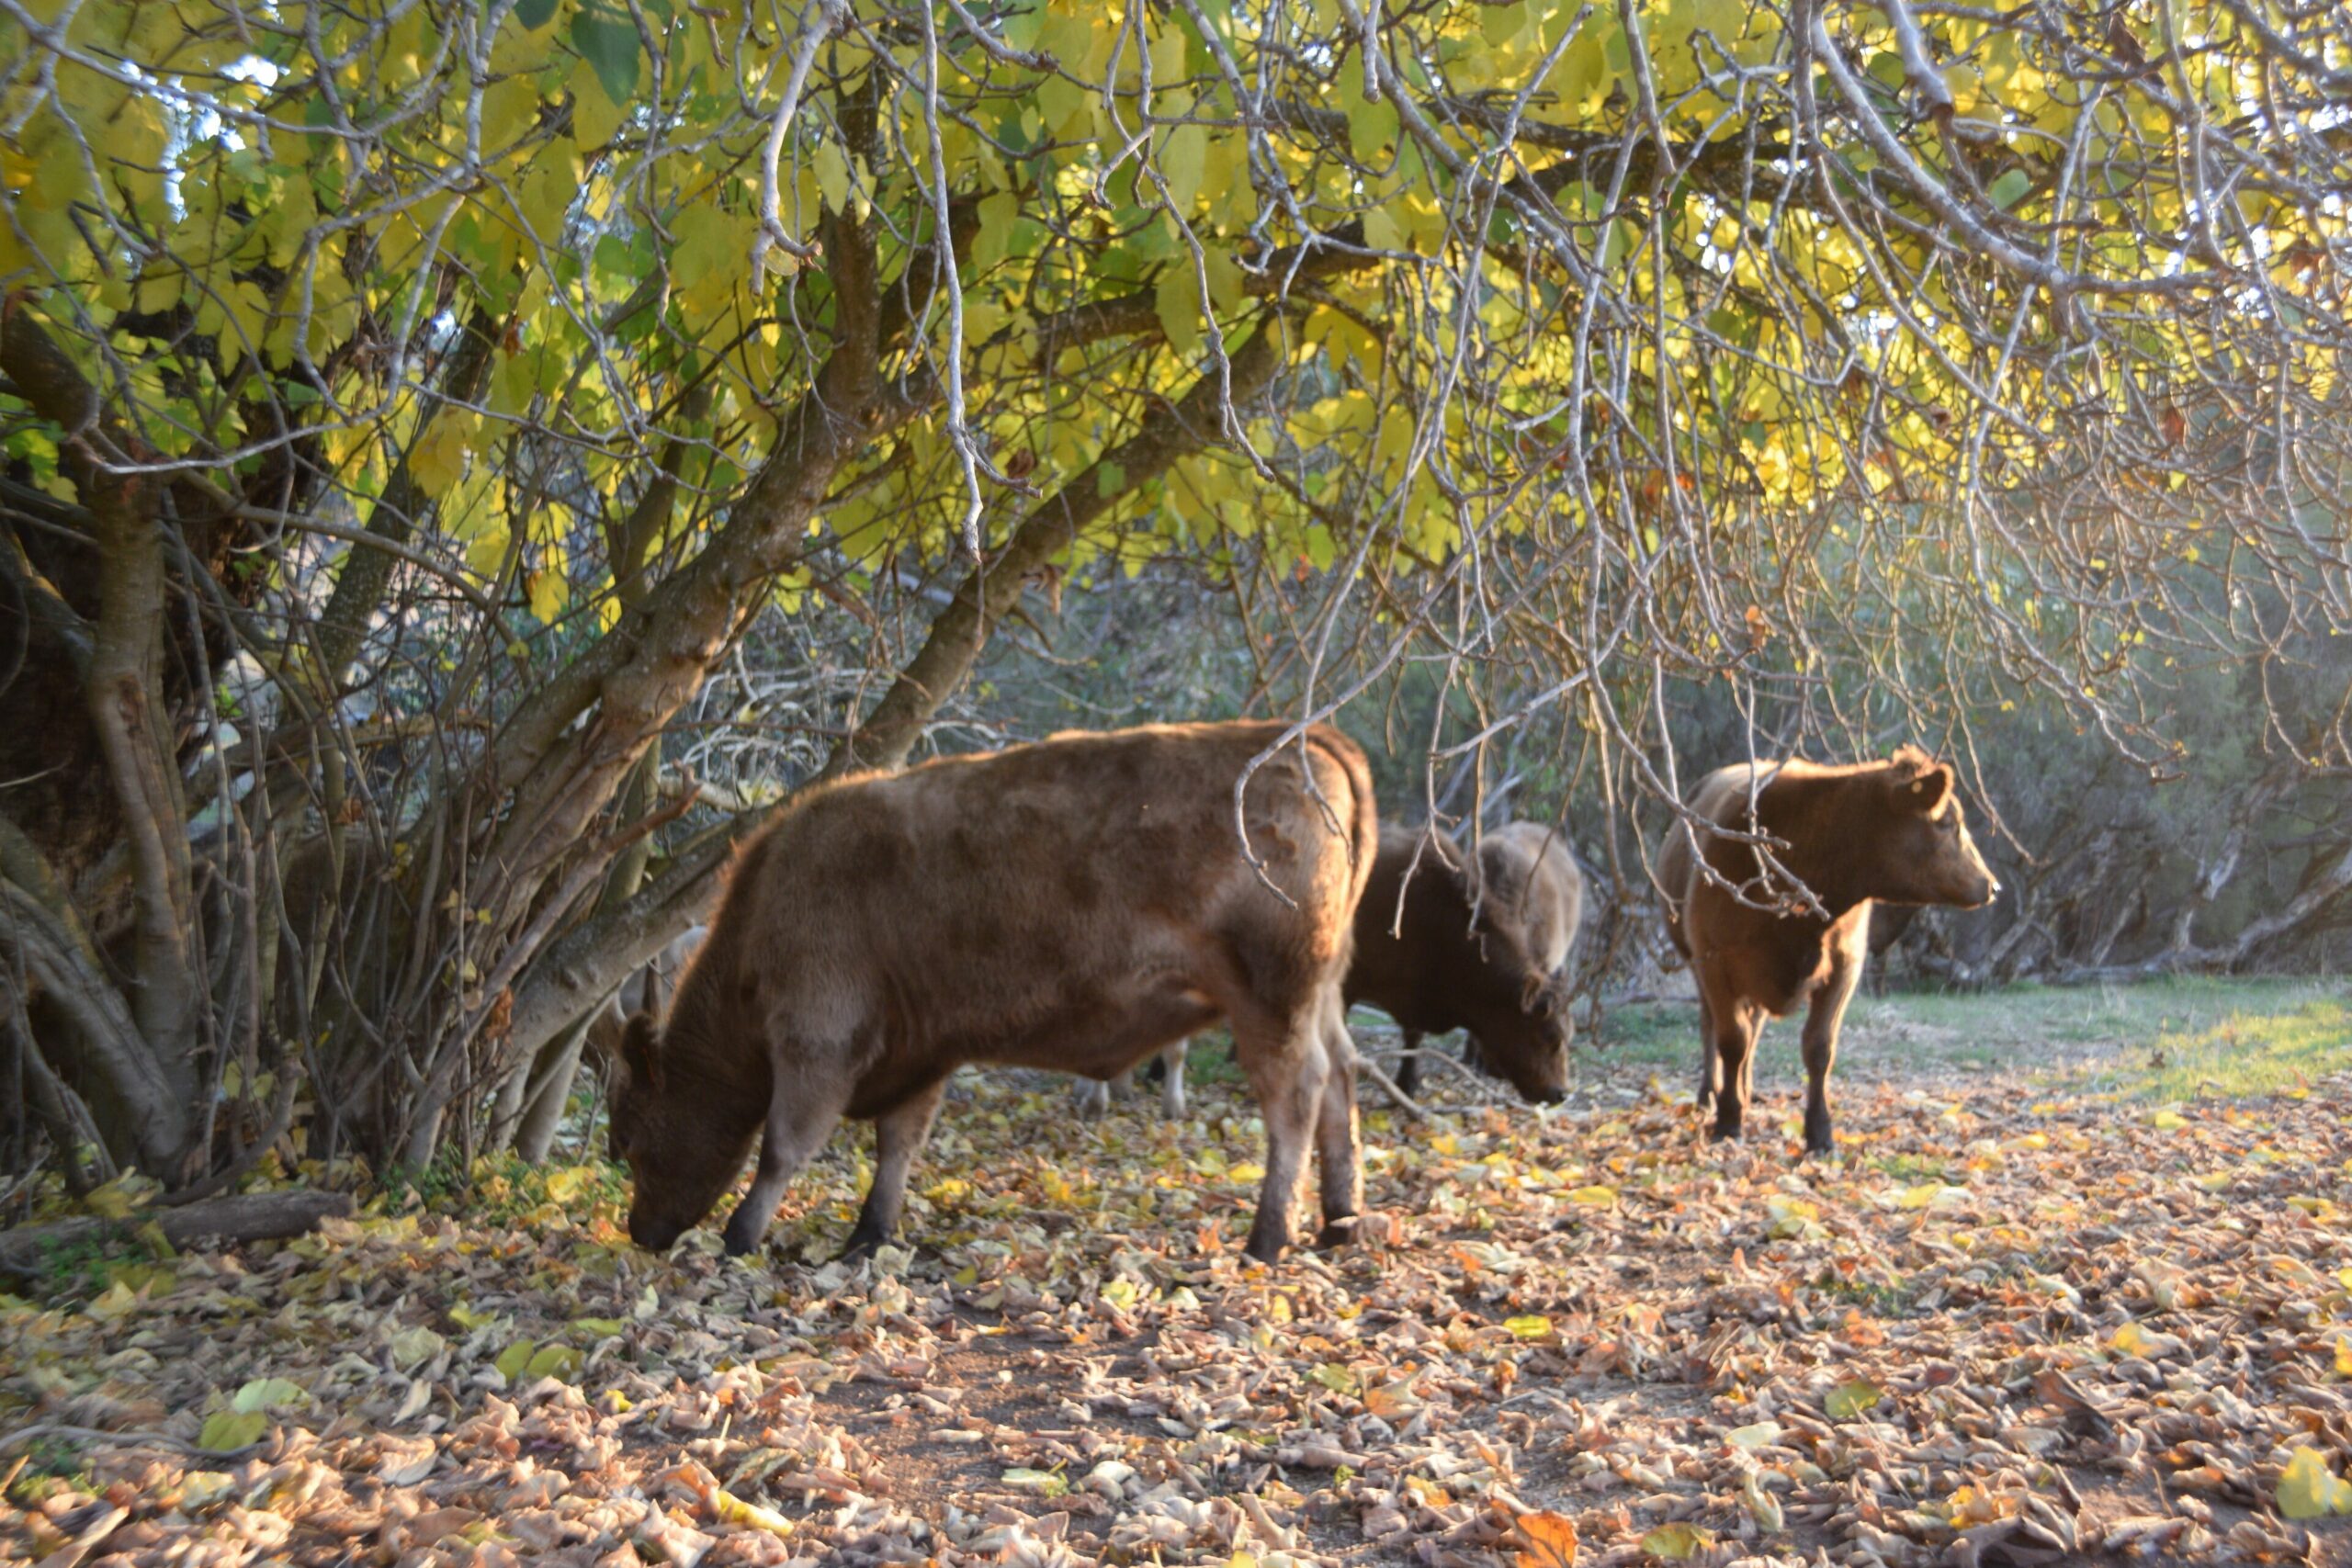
1073, 905
1888, 833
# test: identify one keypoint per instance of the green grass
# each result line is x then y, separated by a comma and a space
2244, 1054
2162, 1040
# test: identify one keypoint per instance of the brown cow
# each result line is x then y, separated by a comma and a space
1439, 976
1073, 905
1434, 971
1889, 832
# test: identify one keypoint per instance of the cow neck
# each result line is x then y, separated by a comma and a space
1819, 814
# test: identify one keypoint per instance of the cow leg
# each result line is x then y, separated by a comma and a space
1288, 1064
1408, 1065
1091, 1097
1338, 1133
1171, 1088
1822, 1022
1734, 1038
1710, 1065
799, 1123
899, 1133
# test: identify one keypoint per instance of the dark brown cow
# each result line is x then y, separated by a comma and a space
647, 990
1889, 832
1434, 971
1505, 975
1073, 905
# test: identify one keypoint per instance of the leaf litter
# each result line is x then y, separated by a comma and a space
1995, 1331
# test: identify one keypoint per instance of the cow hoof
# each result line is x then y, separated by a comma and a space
1337, 1233
1724, 1134
861, 1245
738, 1246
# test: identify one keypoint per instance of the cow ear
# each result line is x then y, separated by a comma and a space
639, 1053
1931, 791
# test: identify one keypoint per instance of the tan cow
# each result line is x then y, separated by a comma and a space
1872, 832
1074, 904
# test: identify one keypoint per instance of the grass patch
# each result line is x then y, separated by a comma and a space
2174, 1038
2242, 1053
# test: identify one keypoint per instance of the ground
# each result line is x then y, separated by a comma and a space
2078, 1287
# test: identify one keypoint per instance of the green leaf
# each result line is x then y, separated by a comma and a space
1850, 1400
607, 39
515, 1359
225, 1430
534, 14
263, 1393
1176, 300
1370, 126
1045, 1482
553, 1361
2010, 189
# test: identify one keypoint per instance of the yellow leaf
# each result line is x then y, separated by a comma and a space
549, 592
2309, 1490
2343, 1357
2129, 1340
1848, 1400
1045, 1482
1595, 1197
468, 1316
733, 1511
1919, 1197
1675, 1542
1532, 1327
566, 1184
595, 115
1550, 1541
1246, 1172
2168, 1121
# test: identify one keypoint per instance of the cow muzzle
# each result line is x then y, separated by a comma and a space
654, 1235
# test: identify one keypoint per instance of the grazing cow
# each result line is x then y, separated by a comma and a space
1434, 971
1872, 832
1075, 904
1091, 1097
1528, 868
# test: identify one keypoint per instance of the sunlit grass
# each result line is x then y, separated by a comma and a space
2175, 1038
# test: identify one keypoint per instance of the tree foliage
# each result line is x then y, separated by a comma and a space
444, 388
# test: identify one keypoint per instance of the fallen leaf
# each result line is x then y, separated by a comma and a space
1550, 1541
2309, 1490
1850, 1400
1675, 1542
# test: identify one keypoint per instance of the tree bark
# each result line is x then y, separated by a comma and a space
360, 589
259, 1216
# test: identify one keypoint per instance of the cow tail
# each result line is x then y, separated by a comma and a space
1363, 822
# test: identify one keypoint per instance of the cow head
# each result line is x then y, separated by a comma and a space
1529, 1049
1520, 1016
1928, 857
680, 1164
